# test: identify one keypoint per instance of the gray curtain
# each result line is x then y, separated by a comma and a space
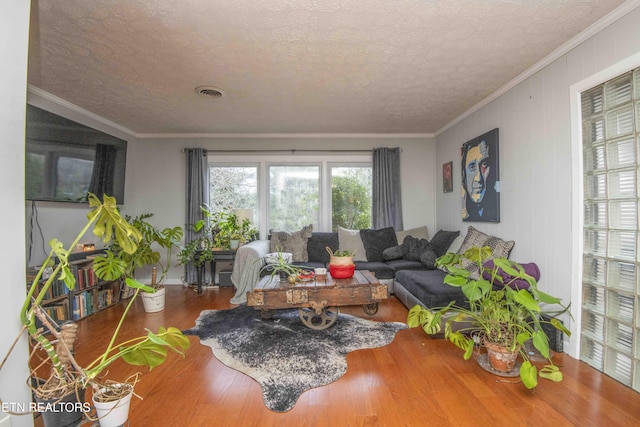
387, 197
197, 192
103, 165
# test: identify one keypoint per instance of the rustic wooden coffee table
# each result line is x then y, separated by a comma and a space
318, 300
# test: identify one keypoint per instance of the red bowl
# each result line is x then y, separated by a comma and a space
341, 271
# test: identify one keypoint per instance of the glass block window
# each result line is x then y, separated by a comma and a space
610, 332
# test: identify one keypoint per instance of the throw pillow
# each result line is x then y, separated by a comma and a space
419, 232
317, 246
413, 248
499, 248
428, 259
442, 240
394, 252
294, 242
274, 257
376, 241
350, 240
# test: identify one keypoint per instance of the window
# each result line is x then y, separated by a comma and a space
351, 197
233, 186
287, 196
294, 196
610, 337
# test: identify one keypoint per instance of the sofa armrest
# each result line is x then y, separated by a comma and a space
246, 268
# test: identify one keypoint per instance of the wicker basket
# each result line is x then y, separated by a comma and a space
341, 267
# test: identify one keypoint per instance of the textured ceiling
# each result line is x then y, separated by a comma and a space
292, 66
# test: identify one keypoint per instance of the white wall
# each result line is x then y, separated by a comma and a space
155, 180
536, 156
14, 36
161, 189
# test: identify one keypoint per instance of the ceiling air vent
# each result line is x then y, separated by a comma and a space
210, 91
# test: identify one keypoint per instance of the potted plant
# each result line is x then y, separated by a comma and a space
505, 311
144, 255
280, 265
341, 265
66, 375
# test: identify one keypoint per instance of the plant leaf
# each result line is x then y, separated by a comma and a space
133, 283
525, 298
108, 267
551, 372
175, 338
529, 374
559, 326
462, 342
476, 289
548, 299
541, 343
414, 316
454, 280
147, 354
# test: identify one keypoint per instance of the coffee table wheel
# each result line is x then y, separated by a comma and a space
370, 309
266, 314
312, 320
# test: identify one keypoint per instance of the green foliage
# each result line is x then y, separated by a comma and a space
498, 314
215, 230
351, 200
117, 262
112, 229
282, 266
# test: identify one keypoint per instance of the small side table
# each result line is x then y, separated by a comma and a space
218, 255
223, 255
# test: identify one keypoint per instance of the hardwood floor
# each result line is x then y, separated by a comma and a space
414, 381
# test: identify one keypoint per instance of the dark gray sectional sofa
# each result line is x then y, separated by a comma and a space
410, 280
408, 269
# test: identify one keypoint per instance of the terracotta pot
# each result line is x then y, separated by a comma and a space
500, 358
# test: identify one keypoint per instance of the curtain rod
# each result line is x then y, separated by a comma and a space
292, 151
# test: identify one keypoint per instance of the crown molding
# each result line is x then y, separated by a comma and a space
33, 91
285, 135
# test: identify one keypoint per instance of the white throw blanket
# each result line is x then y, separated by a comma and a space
246, 268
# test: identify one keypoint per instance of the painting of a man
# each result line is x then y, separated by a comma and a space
480, 179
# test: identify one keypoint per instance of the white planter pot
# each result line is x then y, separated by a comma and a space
153, 302
113, 414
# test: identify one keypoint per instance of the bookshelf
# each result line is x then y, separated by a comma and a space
90, 294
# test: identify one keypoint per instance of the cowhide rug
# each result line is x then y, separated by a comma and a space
285, 357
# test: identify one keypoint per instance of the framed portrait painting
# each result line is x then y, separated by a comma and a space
481, 178
447, 177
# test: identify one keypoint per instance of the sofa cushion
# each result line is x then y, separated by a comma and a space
403, 264
379, 269
394, 252
442, 240
376, 241
419, 232
428, 259
317, 246
294, 242
350, 240
428, 286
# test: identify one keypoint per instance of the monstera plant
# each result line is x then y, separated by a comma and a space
66, 375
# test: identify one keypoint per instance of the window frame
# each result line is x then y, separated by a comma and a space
264, 159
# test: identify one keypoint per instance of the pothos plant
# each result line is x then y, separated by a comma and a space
507, 314
66, 374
